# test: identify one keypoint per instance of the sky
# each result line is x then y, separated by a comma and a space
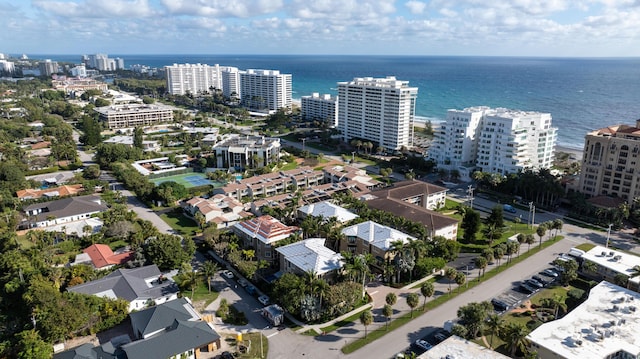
560, 28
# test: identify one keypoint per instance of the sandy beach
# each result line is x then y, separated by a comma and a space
575, 153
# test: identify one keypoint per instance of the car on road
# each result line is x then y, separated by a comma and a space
263, 299
228, 274
509, 208
423, 344
549, 273
243, 283
499, 305
250, 289
534, 283
527, 289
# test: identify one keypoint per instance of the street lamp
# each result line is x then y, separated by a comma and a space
353, 157
532, 214
261, 350
608, 235
470, 195
303, 141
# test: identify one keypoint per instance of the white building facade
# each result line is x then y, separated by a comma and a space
230, 81
495, 140
265, 90
192, 78
320, 107
380, 110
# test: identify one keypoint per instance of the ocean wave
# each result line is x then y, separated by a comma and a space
428, 118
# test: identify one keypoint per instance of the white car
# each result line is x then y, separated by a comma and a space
263, 299
423, 344
227, 273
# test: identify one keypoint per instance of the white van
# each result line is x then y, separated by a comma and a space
576, 253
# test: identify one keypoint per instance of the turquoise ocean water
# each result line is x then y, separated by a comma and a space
582, 94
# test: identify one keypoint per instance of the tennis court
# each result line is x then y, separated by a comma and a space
188, 180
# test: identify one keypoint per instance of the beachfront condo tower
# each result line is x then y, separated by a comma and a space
380, 110
610, 163
192, 78
320, 108
265, 90
494, 140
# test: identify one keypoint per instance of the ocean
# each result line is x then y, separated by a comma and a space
581, 94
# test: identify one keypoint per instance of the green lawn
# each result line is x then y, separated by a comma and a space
585, 246
289, 166
202, 294
180, 223
24, 243
257, 348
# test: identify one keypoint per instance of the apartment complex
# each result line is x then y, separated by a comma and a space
374, 238
102, 62
262, 233
70, 85
380, 110
274, 183
610, 164
192, 78
610, 263
265, 90
7, 66
134, 115
230, 81
320, 107
48, 68
605, 326
246, 151
496, 140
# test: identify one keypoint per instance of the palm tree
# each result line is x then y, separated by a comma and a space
529, 239
450, 273
592, 268
391, 298
427, 290
556, 303
494, 326
481, 263
460, 279
515, 335
366, 318
635, 271
412, 301
387, 311
541, 231
209, 269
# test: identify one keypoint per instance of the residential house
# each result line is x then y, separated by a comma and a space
222, 210
425, 195
262, 233
102, 257
326, 210
139, 286
62, 211
310, 256
374, 238
60, 191
339, 174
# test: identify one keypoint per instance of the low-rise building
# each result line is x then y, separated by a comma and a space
100, 256
455, 347
62, 211
326, 210
605, 326
141, 287
134, 115
262, 233
374, 238
246, 151
310, 256
220, 209
339, 174
76, 84
274, 183
610, 263
60, 191
422, 194
147, 145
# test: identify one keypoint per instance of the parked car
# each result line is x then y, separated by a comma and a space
250, 289
527, 289
263, 299
441, 335
243, 283
228, 274
549, 273
540, 279
423, 344
499, 305
534, 283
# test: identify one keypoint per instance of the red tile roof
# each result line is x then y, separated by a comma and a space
101, 255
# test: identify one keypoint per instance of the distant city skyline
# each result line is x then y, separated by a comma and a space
563, 28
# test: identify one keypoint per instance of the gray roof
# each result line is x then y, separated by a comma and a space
376, 234
311, 255
67, 207
88, 351
180, 337
129, 284
327, 209
162, 316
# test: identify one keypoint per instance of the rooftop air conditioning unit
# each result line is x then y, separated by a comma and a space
610, 254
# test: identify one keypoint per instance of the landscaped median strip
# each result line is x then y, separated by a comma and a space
432, 304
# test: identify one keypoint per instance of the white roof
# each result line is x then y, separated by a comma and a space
607, 322
457, 348
76, 228
376, 234
311, 255
616, 261
327, 209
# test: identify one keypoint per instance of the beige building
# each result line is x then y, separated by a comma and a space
261, 234
610, 164
134, 115
222, 210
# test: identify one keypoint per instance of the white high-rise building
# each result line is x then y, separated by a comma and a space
230, 81
265, 90
494, 140
79, 71
380, 110
193, 78
322, 108
7, 66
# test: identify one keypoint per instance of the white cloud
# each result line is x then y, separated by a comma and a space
95, 8
223, 8
415, 7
